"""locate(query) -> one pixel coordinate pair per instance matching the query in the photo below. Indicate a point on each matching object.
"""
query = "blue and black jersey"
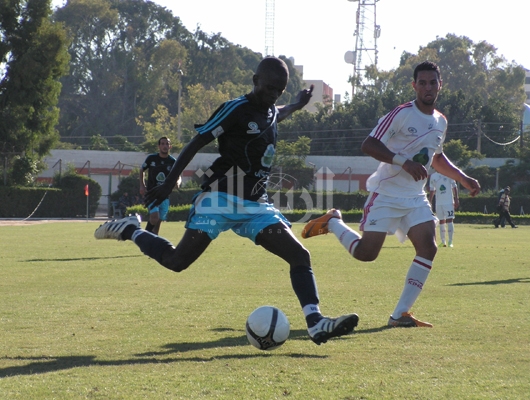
(158, 168)
(247, 142)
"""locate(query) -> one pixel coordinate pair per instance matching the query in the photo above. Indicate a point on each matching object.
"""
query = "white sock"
(311, 309)
(416, 277)
(347, 236)
(450, 231)
(442, 232)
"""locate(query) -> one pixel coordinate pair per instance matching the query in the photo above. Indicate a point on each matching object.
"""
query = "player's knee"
(428, 251)
(305, 255)
(173, 262)
(177, 267)
(300, 257)
(365, 253)
(365, 257)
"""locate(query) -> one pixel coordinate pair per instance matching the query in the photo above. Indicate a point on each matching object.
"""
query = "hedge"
(42, 202)
(180, 213)
(20, 202)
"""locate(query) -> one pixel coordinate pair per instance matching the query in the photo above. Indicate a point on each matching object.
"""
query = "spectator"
(124, 202)
(504, 210)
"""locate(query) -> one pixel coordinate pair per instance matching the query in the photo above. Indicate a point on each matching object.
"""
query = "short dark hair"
(162, 138)
(274, 64)
(427, 66)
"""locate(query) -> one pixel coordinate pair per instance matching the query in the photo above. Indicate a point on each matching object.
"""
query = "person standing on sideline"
(406, 141)
(446, 191)
(234, 195)
(504, 210)
(157, 166)
(124, 202)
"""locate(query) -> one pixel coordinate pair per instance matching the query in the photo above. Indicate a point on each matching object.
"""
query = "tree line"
(118, 74)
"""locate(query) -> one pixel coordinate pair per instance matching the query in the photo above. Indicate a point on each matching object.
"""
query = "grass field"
(87, 319)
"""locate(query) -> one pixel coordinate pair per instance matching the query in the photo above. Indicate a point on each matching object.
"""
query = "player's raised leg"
(114, 229)
(177, 259)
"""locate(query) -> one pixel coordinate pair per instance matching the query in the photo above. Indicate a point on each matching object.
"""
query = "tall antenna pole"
(366, 34)
(269, 27)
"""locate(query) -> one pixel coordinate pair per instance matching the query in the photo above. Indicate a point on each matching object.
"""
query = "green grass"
(99, 320)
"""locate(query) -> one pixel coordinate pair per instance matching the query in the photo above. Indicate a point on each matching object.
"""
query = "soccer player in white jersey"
(407, 141)
(446, 191)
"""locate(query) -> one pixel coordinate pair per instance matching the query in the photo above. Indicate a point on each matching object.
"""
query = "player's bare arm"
(161, 192)
(376, 149)
(444, 166)
(302, 99)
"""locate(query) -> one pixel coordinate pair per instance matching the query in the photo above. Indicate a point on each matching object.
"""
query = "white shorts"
(395, 215)
(445, 211)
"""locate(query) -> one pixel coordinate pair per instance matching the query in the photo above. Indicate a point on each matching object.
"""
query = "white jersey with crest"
(443, 188)
(414, 135)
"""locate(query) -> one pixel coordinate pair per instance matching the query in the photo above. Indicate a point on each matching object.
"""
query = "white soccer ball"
(267, 328)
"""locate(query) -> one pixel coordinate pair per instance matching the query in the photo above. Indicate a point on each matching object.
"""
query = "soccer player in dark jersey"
(234, 195)
(157, 166)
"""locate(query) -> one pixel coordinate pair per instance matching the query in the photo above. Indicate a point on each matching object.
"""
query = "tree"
(33, 56)
(130, 57)
(481, 97)
(163, 125)
(459, 153)
(481, 91)
(126, 60)
(290, 160)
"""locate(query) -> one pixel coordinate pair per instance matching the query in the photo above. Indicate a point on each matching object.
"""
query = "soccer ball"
(267, 328)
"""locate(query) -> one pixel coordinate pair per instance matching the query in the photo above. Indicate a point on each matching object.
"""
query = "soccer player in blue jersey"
(157, 166)
(234, 194)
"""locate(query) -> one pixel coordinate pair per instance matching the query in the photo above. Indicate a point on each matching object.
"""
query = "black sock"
(149, 227)
(128, 232)
(312, 319)
(304, 285)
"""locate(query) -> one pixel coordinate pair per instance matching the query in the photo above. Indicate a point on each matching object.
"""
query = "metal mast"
(269, 27)
(366, 34)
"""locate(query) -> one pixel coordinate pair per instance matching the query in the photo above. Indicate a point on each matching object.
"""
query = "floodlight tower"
(366, 34)
(269, 27)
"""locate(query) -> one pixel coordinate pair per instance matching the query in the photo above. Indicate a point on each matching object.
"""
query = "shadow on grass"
(373, 330)
(46, 364)
(502, 282)
(170, 348)
(79, 258)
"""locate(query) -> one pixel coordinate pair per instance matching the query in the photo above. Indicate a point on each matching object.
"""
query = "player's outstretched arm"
(444, 166)
(301, 101)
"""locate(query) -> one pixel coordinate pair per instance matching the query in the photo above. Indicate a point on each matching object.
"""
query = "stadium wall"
(344, 174)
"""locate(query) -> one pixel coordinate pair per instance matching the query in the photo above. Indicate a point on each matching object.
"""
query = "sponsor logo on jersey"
(161, 177)
(218, 131)
(253, 128)
(268, 156)
(422, 157)
(413, 131)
